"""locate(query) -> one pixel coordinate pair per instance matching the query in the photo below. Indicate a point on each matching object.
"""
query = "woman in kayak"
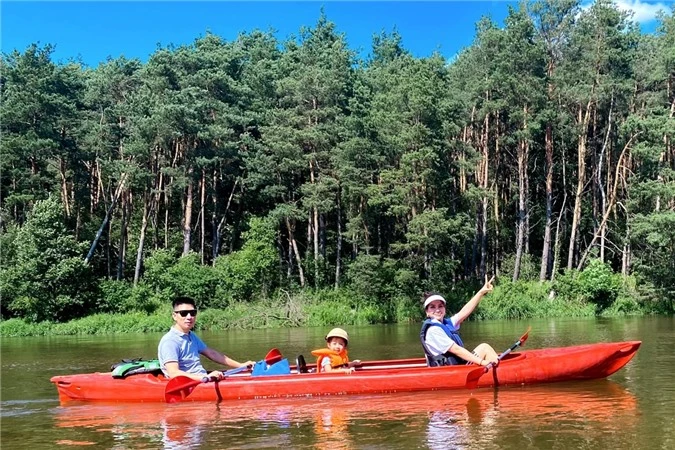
(440, 338)
(179, 349)
(334, 357)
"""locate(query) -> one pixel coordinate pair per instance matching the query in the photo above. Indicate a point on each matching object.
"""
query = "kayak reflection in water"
(331, 429)
(180, 436)
(440, 336)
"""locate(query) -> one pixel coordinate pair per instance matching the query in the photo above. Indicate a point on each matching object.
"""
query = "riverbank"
(337, 307)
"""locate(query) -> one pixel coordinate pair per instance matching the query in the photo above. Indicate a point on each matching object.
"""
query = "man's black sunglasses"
(185, 312)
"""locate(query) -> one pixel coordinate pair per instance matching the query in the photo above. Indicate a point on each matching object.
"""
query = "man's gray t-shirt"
(183, 348)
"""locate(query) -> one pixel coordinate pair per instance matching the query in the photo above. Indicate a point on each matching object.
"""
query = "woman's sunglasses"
(185, 312)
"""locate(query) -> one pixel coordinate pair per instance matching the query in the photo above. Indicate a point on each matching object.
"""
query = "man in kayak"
(179, 349)
(440, 337)
(334, 357)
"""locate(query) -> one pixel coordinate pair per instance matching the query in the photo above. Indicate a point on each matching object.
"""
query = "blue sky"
(95, 30)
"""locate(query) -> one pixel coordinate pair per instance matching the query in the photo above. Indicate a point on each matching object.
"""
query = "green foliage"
(97, 324)
(598, 284)
(168, 277)
(49, 279)
(157, 265)
(525, 299)
(336, 307)
(118, 297)
(386, 166)
(242, 274)
(654, 237)
(20, 327)
(190, 278)
(371, 277)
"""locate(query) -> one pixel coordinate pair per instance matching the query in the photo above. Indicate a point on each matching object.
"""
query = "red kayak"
(582, 362)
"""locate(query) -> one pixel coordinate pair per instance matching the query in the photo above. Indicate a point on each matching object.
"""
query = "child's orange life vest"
(336, 359)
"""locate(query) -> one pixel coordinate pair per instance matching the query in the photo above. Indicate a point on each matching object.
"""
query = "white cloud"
(643, 12)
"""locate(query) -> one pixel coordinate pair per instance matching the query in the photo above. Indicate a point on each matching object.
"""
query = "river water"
(633, 409)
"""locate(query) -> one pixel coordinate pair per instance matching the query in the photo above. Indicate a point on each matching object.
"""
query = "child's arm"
(348, 369)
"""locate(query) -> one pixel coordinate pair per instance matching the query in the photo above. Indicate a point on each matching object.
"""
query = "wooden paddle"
(180, 387)
(473, 376)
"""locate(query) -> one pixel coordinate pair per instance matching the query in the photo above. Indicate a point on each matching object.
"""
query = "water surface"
(634, 408)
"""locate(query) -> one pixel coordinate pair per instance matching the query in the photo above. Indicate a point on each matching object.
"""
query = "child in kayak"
(334, 357)
(440, 338)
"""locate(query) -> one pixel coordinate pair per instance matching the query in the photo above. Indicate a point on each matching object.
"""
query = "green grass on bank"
(324, 308)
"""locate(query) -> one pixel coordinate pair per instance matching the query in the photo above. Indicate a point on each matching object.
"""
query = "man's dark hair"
(184, 301)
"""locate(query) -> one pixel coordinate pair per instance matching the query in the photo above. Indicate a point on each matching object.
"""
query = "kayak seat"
(300, 364)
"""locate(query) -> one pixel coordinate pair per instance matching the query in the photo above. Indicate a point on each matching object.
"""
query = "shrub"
(167, 276)
(251, 270)
(598, 284)
(157, 265)
(49, 279)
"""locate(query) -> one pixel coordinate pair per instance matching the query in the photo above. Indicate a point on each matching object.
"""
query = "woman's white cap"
(433, 298)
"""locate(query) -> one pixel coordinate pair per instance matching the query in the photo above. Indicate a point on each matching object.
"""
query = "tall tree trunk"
(219, 230)
(523, 156)
(108, 251)
(187, 214)
(141, 237)
(611, 202)
(482, 171)
(214, 225)
(583, 119)
(202, 214)
(626, 251)
(666, 142)
(314, 223)
(294, 245)
(497, 250)
(316, 246)
(155, 214)
(124, 226)
(601, 187)
(546, 250)
(64, 187)
(106, 219)
(557, 240)
(338, 244)
(310, 227)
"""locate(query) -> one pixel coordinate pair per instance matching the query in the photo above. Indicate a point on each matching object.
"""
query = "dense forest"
(259, 168)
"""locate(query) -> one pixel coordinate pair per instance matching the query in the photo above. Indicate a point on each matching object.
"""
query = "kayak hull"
(581, 362)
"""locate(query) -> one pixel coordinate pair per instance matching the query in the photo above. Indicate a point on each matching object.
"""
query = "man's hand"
(215, 375)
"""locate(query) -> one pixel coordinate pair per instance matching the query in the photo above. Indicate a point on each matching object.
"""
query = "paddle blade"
(524, 337)
(178, 388)
(473, 377)
(273, 356)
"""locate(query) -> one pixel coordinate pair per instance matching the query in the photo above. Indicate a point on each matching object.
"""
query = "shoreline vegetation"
(510, 300)
(294, 183)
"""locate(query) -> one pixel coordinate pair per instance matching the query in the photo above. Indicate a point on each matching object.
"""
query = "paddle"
(180, 387)
(473, 376)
